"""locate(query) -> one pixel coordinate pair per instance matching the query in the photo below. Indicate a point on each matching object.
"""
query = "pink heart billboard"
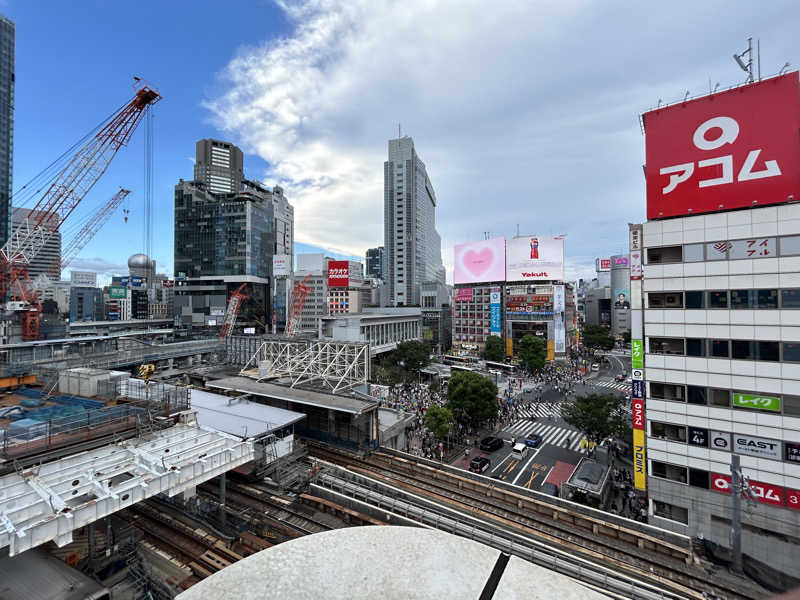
(478, 262)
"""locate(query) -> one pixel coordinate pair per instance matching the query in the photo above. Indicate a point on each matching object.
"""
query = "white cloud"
(525, 113)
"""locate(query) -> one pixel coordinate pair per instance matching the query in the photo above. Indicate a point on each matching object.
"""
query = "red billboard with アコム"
(735, 149)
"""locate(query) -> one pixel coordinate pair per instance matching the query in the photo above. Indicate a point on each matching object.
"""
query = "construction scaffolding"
(338, 366)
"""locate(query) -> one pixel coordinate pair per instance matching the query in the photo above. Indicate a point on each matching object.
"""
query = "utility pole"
(736, 517)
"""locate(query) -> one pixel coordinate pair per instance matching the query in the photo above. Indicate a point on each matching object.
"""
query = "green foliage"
(495, 349)
(439, 420)
(532, 352)
(595, 336)
(626, 336)
(472, 397)
(411, 355)
(599, 415)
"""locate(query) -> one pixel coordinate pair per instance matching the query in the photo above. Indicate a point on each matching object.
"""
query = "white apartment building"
(721, 299)
(412, 246)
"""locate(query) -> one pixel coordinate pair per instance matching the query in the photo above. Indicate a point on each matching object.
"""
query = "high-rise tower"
(6, 124)
(412, 245)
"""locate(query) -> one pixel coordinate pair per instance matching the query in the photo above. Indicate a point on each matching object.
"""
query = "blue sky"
(74, 65)
(525, 114)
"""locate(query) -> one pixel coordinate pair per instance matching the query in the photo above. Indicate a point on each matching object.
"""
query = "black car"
(479, 464)
(491, 443)
(551, 489)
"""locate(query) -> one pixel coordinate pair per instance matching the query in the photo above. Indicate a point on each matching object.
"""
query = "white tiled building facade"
(722, 369)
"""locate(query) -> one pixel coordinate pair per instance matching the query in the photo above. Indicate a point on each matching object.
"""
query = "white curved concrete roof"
(382, 562)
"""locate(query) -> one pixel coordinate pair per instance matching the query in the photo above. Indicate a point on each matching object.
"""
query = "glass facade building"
(7, 37)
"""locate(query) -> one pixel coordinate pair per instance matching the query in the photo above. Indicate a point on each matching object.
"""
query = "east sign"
(756, 446)
(734, 149)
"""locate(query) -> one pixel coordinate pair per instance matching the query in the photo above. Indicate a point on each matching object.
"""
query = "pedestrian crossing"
(620, 386)
(540, 410)
(555, 435)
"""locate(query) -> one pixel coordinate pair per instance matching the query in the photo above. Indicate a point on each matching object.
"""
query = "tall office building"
(48, 260)
(6, 124)
(218, 165)
(227, 230)
(412, 245)
(375, 260)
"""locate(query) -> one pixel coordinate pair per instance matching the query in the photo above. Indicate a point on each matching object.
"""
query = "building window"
(667, 254)
(667, 391)
(667, 471)
(741, 299)
(695, 347)
(791, 406)
(766, 299)
(790, 298)
(693, 253)
(719, 348)
(719, 398)
(666, 346)
(668, 431)
(743, 350)
(718, 299)
(665, 300)
(694, 299)
(671, 512)
(696, 395)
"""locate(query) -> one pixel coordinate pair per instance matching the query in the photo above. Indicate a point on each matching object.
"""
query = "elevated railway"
(630, 559)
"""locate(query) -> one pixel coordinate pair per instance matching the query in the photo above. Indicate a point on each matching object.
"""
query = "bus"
(502, 367)
(460, 360)
(461, 368)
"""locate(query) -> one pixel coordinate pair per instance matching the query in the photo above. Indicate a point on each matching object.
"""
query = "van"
(519, 451)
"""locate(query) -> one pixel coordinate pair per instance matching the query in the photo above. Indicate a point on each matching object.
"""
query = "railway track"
(204, 553)
(275, 513)
(630, 551)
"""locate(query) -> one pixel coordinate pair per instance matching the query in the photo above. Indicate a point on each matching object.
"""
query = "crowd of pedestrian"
(624, 499)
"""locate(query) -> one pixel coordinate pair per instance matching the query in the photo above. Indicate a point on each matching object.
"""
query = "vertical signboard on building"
(338, 273)
(637, 359)
(494, 312)
(635, 231)
(559, 330)
(281, 265)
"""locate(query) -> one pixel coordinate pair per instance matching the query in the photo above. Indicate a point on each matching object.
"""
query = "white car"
(596, 367)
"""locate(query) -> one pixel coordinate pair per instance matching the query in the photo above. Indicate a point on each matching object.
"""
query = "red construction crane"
(65, 192)
(91, 227)
(299, 293)
(234, 304)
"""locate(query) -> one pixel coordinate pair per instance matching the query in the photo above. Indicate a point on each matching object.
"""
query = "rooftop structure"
(47, 502)
(333, 561)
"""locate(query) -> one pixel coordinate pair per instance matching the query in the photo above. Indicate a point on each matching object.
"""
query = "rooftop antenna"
(747, 67)
(716, 87)
(783, 68)
(399, 131)
(517, 229)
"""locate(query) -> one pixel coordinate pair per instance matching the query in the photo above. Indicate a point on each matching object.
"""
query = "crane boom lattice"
(299, 293)
(91, 227)
(234, 304)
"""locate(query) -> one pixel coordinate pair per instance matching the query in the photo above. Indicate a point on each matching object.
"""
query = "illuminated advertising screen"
(532, 258)
(480, 262)
(338, 273)
(735, 149)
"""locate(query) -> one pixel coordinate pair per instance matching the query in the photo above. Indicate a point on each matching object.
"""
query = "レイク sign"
(757, 401)
(637, 354)
(724, 151)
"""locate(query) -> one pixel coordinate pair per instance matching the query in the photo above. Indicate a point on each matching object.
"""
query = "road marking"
(522, 470)
(500, 464)
(534, 475)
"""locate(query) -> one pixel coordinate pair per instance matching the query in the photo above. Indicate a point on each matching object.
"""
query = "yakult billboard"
(534, 258)
(739, 148)
(480, 262)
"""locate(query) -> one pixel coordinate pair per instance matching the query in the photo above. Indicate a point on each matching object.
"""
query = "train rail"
(639, 552)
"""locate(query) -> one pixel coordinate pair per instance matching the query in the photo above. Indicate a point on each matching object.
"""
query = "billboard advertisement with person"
(535, 258)
(724, 151)
(622, 298)
(480, 262)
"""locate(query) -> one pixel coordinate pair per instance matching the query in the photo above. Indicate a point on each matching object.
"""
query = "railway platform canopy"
(240, 416)
(343, 419)
(404, 562)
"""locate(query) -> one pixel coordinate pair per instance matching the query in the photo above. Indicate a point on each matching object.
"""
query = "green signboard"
(637, 354)
(117, 291)
(757, 401)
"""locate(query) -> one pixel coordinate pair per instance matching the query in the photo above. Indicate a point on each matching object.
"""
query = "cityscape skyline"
(331, 171)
